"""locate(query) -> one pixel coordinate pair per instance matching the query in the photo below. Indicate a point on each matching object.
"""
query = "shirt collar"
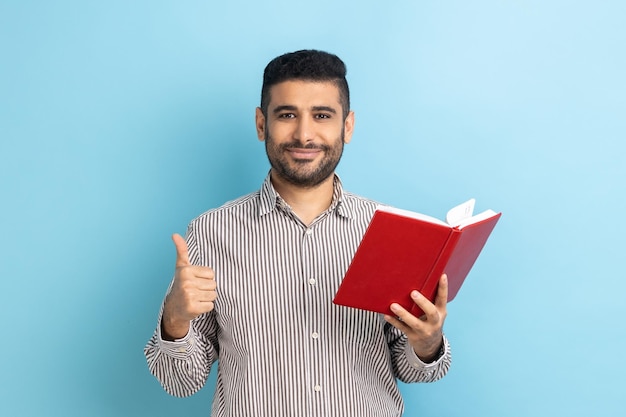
(270, 199)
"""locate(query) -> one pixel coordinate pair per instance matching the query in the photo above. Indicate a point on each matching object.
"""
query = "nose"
(304, 130)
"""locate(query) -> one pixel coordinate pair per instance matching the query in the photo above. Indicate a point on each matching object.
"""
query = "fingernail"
(415, 294)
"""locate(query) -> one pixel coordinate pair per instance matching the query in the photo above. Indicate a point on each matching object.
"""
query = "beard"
(304, 172)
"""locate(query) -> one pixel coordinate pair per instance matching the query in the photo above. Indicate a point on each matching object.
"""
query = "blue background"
(121, 121)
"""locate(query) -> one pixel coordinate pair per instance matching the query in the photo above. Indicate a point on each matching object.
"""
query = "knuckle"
(187, 287)
(205, 269)
(182, 273)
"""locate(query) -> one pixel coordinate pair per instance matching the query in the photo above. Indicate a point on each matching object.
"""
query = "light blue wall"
(120, 121)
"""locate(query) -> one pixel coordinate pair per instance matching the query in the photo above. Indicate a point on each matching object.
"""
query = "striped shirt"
(284, 348)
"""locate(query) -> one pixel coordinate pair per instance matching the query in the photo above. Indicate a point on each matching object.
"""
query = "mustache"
(298, 145)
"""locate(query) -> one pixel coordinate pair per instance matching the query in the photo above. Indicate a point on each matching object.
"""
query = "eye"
(322, 116)
(286, 116)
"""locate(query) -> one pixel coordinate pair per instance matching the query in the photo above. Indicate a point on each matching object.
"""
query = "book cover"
(403, 251)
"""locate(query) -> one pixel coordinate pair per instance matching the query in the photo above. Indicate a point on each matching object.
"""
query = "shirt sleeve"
(183, 366)
(408, 367)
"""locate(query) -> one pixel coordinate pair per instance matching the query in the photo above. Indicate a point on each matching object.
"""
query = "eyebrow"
(287, 107)
(325, 108)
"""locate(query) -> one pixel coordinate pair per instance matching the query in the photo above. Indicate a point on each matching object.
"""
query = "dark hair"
(307, 65)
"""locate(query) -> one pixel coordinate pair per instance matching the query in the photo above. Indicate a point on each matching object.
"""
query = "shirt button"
(309, 231)
(315, 335)
(317, 388)
(312, 281)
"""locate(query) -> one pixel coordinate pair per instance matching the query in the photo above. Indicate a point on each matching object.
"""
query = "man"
(255, 278)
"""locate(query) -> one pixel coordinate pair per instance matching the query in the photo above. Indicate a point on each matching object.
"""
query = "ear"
(348, 127)
(260, 124)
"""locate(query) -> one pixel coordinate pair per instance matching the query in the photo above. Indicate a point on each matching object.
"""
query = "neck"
(307, 203)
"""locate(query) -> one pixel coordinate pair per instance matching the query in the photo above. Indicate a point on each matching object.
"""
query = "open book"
(403, 251)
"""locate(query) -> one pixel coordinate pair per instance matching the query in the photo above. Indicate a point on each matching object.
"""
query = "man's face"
(304, 131)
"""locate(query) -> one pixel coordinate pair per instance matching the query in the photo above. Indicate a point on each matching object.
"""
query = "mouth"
(304, 153)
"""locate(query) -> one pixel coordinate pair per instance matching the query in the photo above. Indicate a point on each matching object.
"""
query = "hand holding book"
(424, 334)
(410, 251)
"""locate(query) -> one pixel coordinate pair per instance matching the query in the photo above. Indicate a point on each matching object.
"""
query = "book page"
(461, 212)
(477, 218)
(459, 216)
(411, 214)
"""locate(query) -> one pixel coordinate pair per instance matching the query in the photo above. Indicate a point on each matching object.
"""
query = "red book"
(403, 251)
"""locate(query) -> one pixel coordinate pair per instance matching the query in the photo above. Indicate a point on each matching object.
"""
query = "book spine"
(429, 289)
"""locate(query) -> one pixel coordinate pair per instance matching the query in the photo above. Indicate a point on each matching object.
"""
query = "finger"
(207, 296)
(201, 307)
(206, 285)
(424, 304)
(441, 300)
(203, 272)
(208, 306)
(404, 319)
(182, 252)
(397, 323)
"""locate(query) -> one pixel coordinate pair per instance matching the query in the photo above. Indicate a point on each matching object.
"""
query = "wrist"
(433, 354)
(173, 329)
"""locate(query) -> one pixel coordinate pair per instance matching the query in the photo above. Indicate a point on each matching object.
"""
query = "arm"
(420, 351)
(182, 366)
(184, 345)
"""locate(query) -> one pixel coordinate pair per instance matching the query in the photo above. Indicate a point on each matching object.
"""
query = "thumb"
(182, 252)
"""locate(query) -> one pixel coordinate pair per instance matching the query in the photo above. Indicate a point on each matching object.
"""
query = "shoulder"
(359, 206)
(359, 199)
(245, 205)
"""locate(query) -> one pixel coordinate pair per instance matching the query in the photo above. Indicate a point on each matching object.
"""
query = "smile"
(303, 153)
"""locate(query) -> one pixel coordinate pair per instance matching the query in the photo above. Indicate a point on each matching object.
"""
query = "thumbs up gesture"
(192, 294)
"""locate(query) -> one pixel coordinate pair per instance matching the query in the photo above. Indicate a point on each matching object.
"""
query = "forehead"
(301, 93)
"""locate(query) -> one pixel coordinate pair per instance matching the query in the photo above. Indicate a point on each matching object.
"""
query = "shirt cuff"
(420, 364)
(178, 348)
